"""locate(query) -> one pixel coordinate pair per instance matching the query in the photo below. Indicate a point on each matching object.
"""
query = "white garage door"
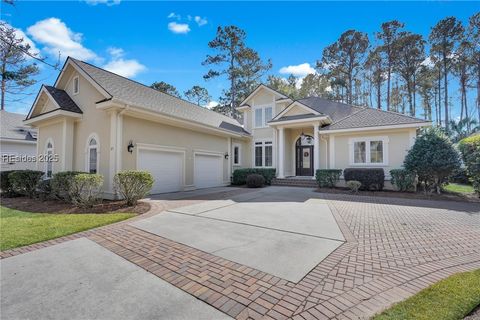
(166, 168)
(208, 171)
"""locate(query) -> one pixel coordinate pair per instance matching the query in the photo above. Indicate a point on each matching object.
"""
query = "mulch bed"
(57, 206)
(408, 195)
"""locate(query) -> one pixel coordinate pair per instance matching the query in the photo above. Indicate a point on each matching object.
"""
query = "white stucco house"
(98, 121)
(18, 142)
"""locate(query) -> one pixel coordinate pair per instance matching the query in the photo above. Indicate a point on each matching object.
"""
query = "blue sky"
(145, 41)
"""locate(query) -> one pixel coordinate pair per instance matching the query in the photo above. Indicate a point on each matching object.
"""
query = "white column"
(119, 142)
(67, 148)
(281, 152)
(331, 148)
(316, 149)
(229, 161)
(113, 149)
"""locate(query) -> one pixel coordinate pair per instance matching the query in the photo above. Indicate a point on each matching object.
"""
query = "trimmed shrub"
(354, 185)
(370, 178)
(44, 189)
(85, 189)
(255, 181)
(433, 158)
(403, 180)
(5, 184)
(470, 149)
(240, 175)
(61, 182)
(327, 177)
(133, 185)
(25, 182)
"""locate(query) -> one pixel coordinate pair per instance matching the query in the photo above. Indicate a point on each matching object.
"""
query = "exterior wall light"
(226, 155)
(130, 146)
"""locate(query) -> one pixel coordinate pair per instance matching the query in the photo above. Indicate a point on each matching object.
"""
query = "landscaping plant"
(255, 181)
(86, 189)
(61, 182)
(403, 180)
(327, 178)
(370, 178)
(240, 175)
(470, 149)
(133, 185)
(354, 185)
(5, 184)
(433, 158)
(25, 182)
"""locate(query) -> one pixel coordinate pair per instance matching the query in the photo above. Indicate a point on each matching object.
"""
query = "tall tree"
(345, 58)
(375, 66)
(15, 67)
(286, 86)
(241, 65)
(167, 88)
(198, 95)
(427, 90)
(444, 39)
(388, 36)
(474, 34)
(314, 85)
(462, 68)
(410, 50)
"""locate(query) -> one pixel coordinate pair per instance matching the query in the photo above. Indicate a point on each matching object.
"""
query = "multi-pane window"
(263, 154)
(268, 115)
(236, 154)
(369, 151)
(258, 118)
(49, 164)
(262, 116)
(92, 156)
(76, 85)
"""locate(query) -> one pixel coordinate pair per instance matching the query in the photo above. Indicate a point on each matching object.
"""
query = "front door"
(304, 161)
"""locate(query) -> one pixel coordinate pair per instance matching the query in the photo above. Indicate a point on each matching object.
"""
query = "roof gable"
(262, 88)
(50, 99)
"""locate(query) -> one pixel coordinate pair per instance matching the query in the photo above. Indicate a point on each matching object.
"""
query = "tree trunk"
(445, 83)
(3, 85)
(439, 96)
(388, 84)
(414, 84)
(379, 96)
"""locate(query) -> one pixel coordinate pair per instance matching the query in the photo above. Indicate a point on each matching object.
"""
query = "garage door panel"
(166, 168)
(208, 171)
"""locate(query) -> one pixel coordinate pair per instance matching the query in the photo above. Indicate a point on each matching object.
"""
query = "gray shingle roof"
(295, 117)
(63, 99)
(137, 94)
(335, 110)
(12, 127)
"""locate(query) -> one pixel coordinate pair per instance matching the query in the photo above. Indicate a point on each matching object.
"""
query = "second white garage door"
(166, 168)
(208, 170)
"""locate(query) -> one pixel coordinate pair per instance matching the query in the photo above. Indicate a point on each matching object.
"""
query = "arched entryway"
(304, 156)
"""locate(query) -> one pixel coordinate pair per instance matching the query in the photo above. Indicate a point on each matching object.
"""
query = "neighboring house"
(97, 121)
(18, 142)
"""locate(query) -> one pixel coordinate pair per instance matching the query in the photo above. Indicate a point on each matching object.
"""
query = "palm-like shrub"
(470, 149)
(432, 158)
(133, 185)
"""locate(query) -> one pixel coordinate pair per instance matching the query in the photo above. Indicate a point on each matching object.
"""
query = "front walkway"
(393, 249)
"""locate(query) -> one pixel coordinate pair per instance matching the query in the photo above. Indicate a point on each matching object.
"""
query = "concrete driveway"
(283, 232)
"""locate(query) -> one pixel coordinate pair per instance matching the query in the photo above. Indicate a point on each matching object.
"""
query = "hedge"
(86, 189)
(25, 181)
(403, 180)
(61, 183)
(133, 185)
(370, 178)
(240, 175)
(327, 177)
(470, 149)
(5, 184)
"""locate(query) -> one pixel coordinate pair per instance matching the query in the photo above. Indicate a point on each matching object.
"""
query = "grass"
(459, 188)
(450, 299)
(19, 228)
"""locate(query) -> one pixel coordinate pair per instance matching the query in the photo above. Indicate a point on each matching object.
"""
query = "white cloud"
(107, 2)
(174, 15)
(179, 27)
(124, 67)
(200, 21)
(211, 104)
(57, 37)
(300, 70)
(19, 34)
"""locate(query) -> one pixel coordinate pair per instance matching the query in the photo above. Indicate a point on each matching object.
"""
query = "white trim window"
(49, 158)
(263, 154)
(262, 115)
(76, 85)
(237, 155)
(371, 151)
(93, 154)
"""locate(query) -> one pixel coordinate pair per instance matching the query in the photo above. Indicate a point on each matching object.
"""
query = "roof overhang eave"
(376, 128)
(312, 120)
(54, 114)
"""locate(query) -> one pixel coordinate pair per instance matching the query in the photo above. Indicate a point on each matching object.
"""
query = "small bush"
(354, 185)
(433, 158)
(470, 149)
(25, 182)
(5, 184)
(44, 189)
(240, 175)
(327, 177)
(403, 180)
(85, 189)
(61, 183)
(255, 181)
(133, 185)
(370, 178)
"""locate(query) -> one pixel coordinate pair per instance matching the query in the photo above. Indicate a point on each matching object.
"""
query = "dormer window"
(76, 85)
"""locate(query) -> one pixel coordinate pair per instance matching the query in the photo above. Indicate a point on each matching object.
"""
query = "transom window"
(262, 116)
(236, 154)
(263, 154)
(92, 155)
(76, 85)
(369, 151)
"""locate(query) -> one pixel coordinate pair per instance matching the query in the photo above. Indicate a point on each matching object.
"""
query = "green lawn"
(450, 299)
(458, 188)
(18, 228)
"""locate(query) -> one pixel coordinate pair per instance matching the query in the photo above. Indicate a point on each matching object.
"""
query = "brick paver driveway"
(393, 249)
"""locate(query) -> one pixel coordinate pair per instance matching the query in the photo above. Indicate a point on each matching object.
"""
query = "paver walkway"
(394, 248)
